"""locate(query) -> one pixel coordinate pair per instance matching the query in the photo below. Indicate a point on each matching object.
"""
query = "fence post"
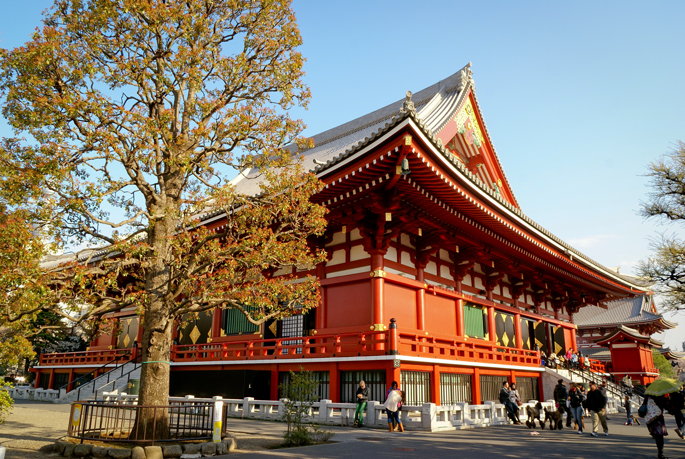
(371, 413)
(247, 408)
(428, 412)
(323, 410)
(218, 411)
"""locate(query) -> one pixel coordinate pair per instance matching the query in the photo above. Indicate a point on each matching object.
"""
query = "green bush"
(6, 402)
(297, 406)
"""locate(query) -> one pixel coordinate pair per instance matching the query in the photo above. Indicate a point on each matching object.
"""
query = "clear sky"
(578, 97)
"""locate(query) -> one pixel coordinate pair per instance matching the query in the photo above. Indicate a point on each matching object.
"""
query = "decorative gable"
(465, 136)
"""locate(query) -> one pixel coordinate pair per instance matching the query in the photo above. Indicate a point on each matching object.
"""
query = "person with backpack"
(560, 396)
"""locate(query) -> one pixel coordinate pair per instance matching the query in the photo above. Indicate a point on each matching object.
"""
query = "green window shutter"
(474, 321)
(235, 323)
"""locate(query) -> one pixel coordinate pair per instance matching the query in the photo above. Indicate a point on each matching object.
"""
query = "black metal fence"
(527, 388)
(455, 388)
(375, 381)
(112, 422)
(321, 377)
(416, 386)
(490, 387)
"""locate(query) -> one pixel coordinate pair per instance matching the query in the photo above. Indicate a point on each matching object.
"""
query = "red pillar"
(377, 284)
(436, 384)
(70, 387)
(216, 323)
(52, 379)
(541, 392)
(574, 338)
(512, 377)
(492, 330)
(517, 330)
(321, 310)
(476, 386)
(461, 327)
(274, 383)
(334, 383)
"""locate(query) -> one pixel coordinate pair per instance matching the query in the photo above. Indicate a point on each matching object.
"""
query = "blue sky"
(578, 98)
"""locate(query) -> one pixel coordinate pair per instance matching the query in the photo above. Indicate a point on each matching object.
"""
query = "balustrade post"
(392, 338)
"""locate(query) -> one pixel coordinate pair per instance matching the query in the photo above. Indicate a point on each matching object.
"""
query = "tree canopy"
(130, 117)
(666, 202)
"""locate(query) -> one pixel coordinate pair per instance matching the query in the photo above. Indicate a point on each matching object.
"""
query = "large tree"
(666, 201)
(134, 114)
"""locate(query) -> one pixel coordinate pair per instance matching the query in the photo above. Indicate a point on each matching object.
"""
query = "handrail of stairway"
(119, 357)
(619, 390)
(136, 364)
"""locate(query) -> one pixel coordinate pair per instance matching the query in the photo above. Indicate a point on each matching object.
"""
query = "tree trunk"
(156, 344)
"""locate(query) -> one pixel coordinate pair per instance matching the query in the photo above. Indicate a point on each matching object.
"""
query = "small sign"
(216, 436)
(76, 418)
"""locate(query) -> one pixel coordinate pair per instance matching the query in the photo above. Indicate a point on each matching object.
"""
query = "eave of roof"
(629, 333)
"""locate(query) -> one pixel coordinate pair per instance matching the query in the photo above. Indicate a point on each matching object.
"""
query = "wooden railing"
(465, 350)
(338, 345)
(101, 357)
(387, 342)
(597, 366)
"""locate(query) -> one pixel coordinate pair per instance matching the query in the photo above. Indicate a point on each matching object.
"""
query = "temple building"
(620, 336)
(435, 277)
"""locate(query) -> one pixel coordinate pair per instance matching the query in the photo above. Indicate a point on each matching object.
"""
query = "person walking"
(656, 425)
(392, 408)
(603, 388)
(560, 396)
(574, 361)
(515, 401)
(576, 399)
(362, 400)
(627, 404)
(586, 363)
(676, 407)
(504, 399)
(596, 403)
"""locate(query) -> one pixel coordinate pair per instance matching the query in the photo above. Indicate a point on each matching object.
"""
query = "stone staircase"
(615, 393)
(117, 379)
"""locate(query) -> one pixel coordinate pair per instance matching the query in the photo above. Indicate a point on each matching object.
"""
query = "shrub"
(299, 398)
(6, 402)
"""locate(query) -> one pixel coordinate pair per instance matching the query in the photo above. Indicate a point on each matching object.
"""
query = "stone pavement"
(42, 423)
(623, 442)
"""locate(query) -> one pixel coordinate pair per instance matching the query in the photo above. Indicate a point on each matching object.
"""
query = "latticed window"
(455, 388)
(292, 326)
(490, 387)
(416, 386)
(234, 322)
(527, 388)
(475, 321)
(375, 381)
(322, 377)
(61, 379)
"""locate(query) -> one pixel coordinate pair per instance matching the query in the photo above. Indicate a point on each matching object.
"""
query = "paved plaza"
(34, 425)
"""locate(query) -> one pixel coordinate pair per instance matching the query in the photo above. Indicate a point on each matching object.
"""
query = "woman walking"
(362, 399)
(395, 387)
(576, 399)
(656, 425)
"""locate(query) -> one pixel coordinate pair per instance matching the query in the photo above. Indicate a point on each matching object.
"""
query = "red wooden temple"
(435, 277)
(620, 336)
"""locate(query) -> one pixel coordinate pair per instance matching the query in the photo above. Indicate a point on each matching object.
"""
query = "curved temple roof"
(429, 111)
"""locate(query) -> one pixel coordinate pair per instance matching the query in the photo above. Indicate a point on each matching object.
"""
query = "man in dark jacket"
(362, 399)
(596, 403)
(506, 401)
(560, 396)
